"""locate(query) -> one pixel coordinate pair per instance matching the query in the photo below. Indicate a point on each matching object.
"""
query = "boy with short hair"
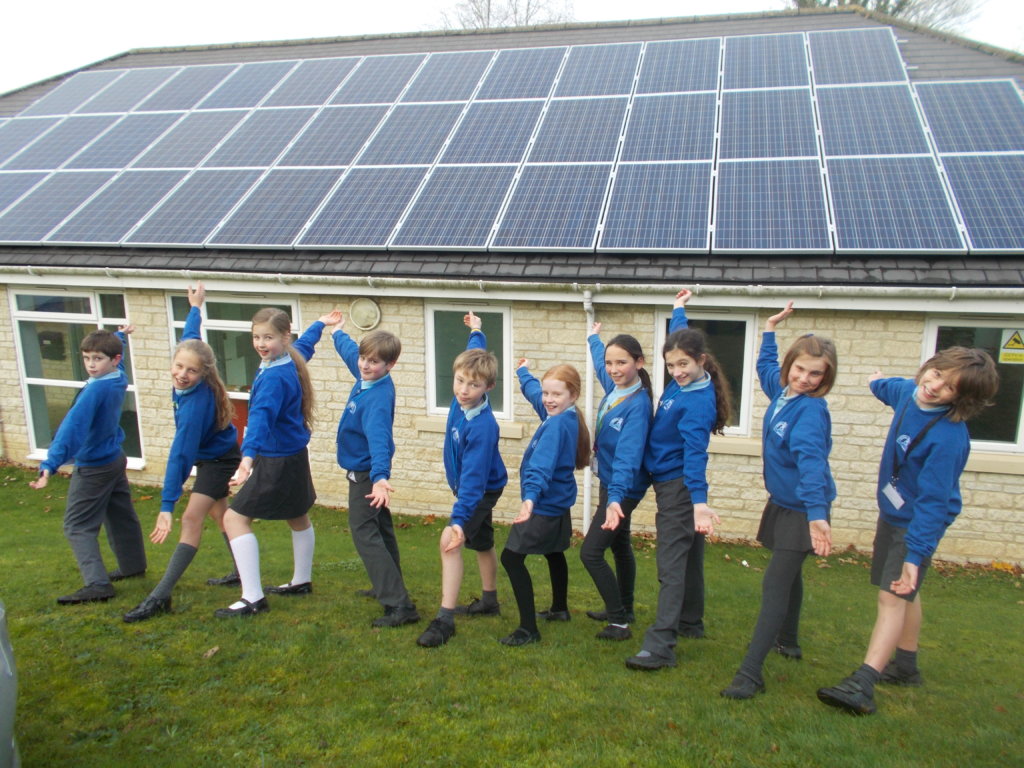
(918, 498)
(477, 477)
(365, 450)
(90, 435)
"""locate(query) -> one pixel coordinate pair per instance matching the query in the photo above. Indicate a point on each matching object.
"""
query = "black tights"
(782, 592)
(522, 585)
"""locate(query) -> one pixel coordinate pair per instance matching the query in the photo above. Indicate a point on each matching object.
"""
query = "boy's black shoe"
(94, 593)
(248, 609)
(849, 695)
(893, 676)
(612, 632)
(397, 617)
(148, 608)
(649, 662)
(437, 633)
(554, 615)
(304, 588)
(478, 607)
(521, 636)
(366, 593)
(743, 687)
(231, 580)
(603, 616)
(116, 575)
(791, 652)
(692, 633)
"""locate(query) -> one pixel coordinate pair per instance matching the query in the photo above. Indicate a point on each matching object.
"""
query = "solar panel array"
(800, 142)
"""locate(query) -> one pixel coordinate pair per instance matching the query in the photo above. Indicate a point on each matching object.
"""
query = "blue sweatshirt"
(796, 442)
(91, 434)
(621, 434)
(276, 427)
(365, 442)
(546, 474)
(929, 479)
(196, 437)
(472, 463)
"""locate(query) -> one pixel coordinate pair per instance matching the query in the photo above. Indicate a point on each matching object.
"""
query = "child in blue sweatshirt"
(797, 440)
(623, 420)
(548, 487)
(918, 498)
(692, 407)
(365, 449)
(204, 437)
(91, 436)
(477, 476)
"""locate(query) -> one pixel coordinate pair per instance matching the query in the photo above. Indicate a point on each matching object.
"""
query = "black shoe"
(791, 652)
(892, 675)
(231, 580)
(849, 695)
(367, 593)
(612, 632)
(248, 609)
(743, 687)
(478, 607)
(554, 615)
(290, 589)
(116, 575)
(650, 662)
(148, 608)
(397, 617)
(629, 618)
(521, 636)
(692, 633)
(437, 633)
(94, 593)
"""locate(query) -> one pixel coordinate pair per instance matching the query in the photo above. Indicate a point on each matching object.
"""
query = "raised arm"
(679, 320)
(346, 348)
(306, 343)
(531, 388)
(194, 320)
(477, 339)
(768, 368)
(597, 355)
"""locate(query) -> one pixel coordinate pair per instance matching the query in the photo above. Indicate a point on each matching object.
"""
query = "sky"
(43, 39)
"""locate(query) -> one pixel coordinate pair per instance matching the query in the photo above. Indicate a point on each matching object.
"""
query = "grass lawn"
(311, 684)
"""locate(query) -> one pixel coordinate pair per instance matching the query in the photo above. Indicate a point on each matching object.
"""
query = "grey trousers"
(373, 533)
(101, 496)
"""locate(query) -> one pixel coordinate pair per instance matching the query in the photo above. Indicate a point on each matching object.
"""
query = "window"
(731, 341)
(446, 338)
(50, 327)
(999, 427)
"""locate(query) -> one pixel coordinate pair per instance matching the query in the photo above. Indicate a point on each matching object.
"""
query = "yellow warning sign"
(1011, 348)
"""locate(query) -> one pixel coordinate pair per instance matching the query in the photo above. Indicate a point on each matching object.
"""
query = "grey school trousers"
(101, 496)
(373, 533)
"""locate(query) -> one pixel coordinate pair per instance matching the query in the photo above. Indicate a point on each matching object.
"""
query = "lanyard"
(602, 411)
(913, 443)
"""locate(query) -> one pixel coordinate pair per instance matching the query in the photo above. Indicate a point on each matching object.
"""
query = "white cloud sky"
(43, 39)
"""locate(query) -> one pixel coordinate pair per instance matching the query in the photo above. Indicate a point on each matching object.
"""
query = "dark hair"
(282, 324)
(569, 376)
(383, 344)
(103, 341)
(631, 347)
(694, 344)
(973, 376)
(815, 346)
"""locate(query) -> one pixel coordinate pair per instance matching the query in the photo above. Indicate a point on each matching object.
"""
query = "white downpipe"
(588, 476)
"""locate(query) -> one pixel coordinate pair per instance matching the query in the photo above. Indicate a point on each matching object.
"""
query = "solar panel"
(190, 141)
(378, 80)
(278, 208)
(449, 76)
(494, 132)
(411, 134)
(872, 120)
(522, 73)
(848, 56)
(554, 207)
(260, 139)
(891, 204)
(599, 70)
(335, 136)
(117, 208)
(18, 133)
(187, 88)
(680, 65)
(771, 205)
(54, 148)
(974, 117)
(990, 193)
(248, 85)
(365, 208)
(767, 124)
(72, 93)
(673, 127)
(765, 61)
(119, 146)
(189, 215)
(312, 83)
(659, 207)
(127, 91)
(580, 131)
(49, 204)
(14, 185)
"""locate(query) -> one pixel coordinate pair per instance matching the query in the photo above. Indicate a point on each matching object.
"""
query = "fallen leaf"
(211, 652)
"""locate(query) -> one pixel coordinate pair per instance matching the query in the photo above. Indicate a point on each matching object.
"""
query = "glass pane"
(132, 444)
(222, 310)
(51, 349)
(237, 361)
(450, 336)
(726, 340)
(47, 406)
(79, 305)
(241, 417)
(180, 308)
(112, 306)
(1001, 422)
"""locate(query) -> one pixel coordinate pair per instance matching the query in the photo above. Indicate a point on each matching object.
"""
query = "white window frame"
(96, 319)
(656, 364)
(928, 343)
(505, 355)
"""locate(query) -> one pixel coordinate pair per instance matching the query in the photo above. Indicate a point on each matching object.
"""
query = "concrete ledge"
(996, 463)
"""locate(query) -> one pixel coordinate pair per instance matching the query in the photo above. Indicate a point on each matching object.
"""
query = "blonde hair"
(478, 364)
(209, 373)
(814, 346)
(569, 376)
(281, 323)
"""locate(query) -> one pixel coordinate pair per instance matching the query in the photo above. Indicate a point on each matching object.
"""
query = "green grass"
(311, 684)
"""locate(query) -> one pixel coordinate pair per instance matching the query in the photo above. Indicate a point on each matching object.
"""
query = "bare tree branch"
(490, 14)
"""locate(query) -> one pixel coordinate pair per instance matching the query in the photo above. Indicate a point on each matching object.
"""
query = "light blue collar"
(472, 413)
(365, 385)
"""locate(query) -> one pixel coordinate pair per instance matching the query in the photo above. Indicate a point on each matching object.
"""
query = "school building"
(546, 177)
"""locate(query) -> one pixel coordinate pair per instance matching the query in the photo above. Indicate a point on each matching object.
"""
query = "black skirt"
(541, 535)
(783, 528)
(279, 488)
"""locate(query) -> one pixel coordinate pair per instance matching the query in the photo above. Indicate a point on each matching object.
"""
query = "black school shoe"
(649, 662)
(629, 618)
(892, 675)
(116, 575)
(248, 609)
(148, 608)
(478, 607)
(231, 580)
(612, 632)
(521, 636)
(791, 652)
(93, 593)
(850, 696)
(436, 634)
(550, 615)
(397, 617)
(304, 588)
(742, 687)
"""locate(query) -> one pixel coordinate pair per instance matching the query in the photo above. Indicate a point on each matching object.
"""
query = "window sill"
(735, 446)
(996, 463)
(508, 429)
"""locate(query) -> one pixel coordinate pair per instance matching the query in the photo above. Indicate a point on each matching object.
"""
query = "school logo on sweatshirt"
(616, 423)
(667, 404)
(455, 434)
(903, 441)
(352, 407)
(780, 428)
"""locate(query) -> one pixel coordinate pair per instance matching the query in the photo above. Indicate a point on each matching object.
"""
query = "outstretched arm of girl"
(905, 584)
(821, 537)
(682, 297)
(595, 328)
(164, 522)
(524, 512)
(332, 318)
(197, 295)
(472, 321)
(778, 318)
(243, 471)
(704, 519)
(455, 539)
(612, 516)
